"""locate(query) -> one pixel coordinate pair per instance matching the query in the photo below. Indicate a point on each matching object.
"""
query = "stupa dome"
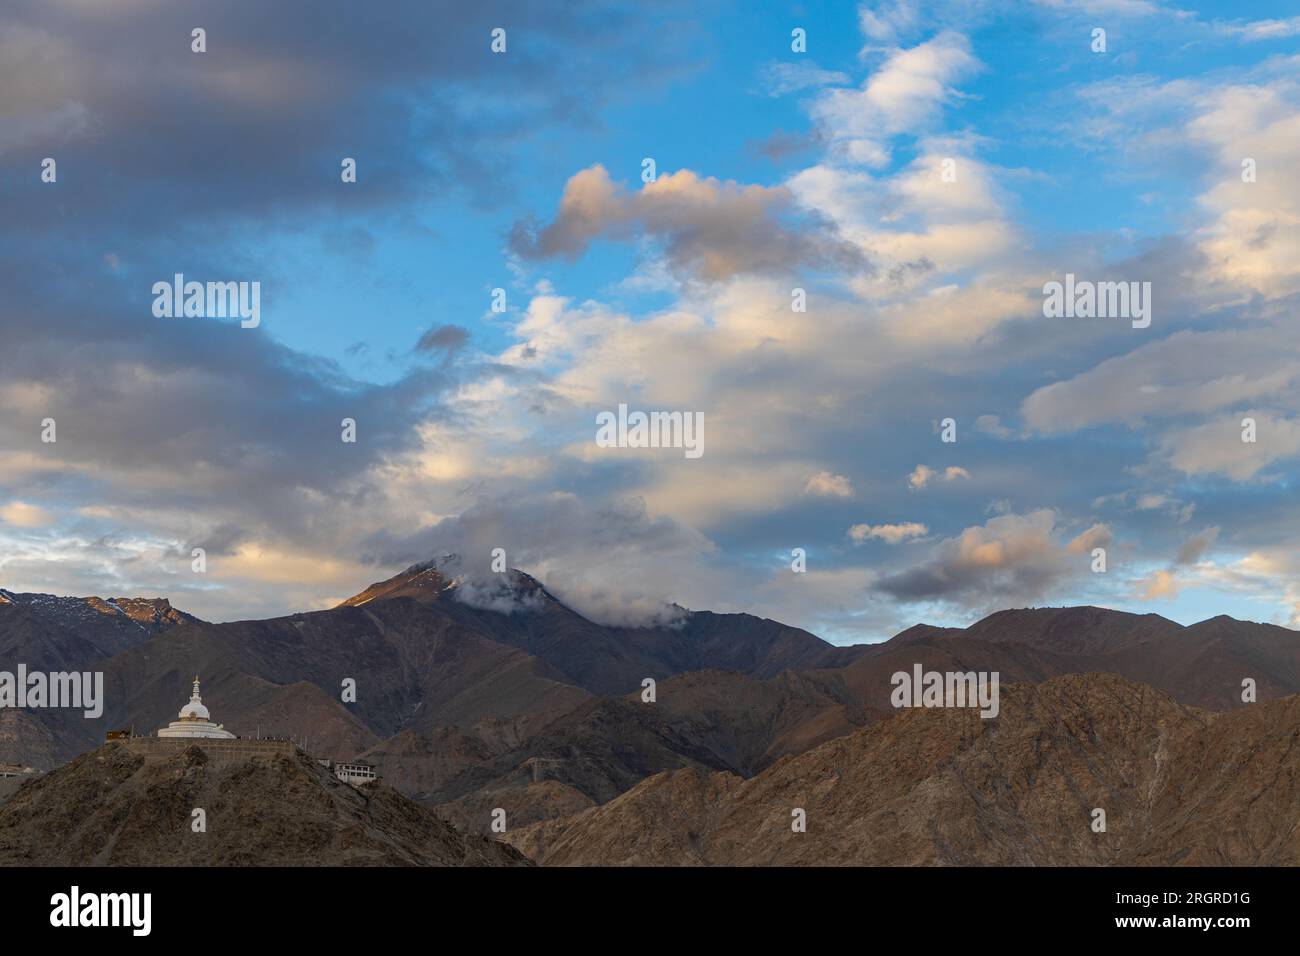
(195, 710)
(195, 721)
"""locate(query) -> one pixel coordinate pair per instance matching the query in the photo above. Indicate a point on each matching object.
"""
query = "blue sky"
(776, 169)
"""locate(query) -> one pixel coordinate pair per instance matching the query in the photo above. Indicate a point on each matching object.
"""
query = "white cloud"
(1185, 373)
(21, 514)
(1254, 30)
(1160, 584)
(906, 94)
(1216, 447)
(1097, 536)
(827, 485)
(992, 425)
(885, 21)
(922, 475)
(784, 78)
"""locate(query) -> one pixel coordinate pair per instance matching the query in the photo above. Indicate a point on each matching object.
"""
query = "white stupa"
(195, 721)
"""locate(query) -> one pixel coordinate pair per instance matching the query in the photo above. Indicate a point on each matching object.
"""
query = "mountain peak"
(149, 614)
(423, 581)
(920, 632)
(1078, 629)
(447, 574)
(442, 563)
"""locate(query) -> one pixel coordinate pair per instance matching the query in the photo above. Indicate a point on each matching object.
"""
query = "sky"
(644, 192)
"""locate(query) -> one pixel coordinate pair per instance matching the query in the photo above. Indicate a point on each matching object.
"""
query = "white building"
(355, 772)
(195, 721)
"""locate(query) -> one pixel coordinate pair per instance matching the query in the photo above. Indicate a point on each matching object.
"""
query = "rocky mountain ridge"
(467, 702)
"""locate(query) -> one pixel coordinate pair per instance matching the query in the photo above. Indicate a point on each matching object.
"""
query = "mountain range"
(471, 698)
(1177, 785)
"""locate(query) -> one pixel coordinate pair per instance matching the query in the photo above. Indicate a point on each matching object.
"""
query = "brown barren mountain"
(603, 660)
(117, 807)
(944, 786)
(714, 720)
(472, 697)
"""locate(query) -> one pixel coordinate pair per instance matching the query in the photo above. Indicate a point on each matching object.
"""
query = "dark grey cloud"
(781, 145)
(709, 229)
(1195, 547)
(535, 527)
(445, 338)
(1011, 558)
(189, 410)
(156, 142)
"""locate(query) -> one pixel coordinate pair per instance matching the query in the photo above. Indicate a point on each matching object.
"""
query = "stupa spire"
(194, 720)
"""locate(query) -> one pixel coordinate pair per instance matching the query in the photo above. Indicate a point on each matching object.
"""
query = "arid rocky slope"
(712, 720)
(423, 659)
(115, 807)
(943, 786)
(469, 701)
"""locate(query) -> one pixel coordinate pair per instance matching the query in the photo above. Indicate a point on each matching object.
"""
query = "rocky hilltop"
(116, 807)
